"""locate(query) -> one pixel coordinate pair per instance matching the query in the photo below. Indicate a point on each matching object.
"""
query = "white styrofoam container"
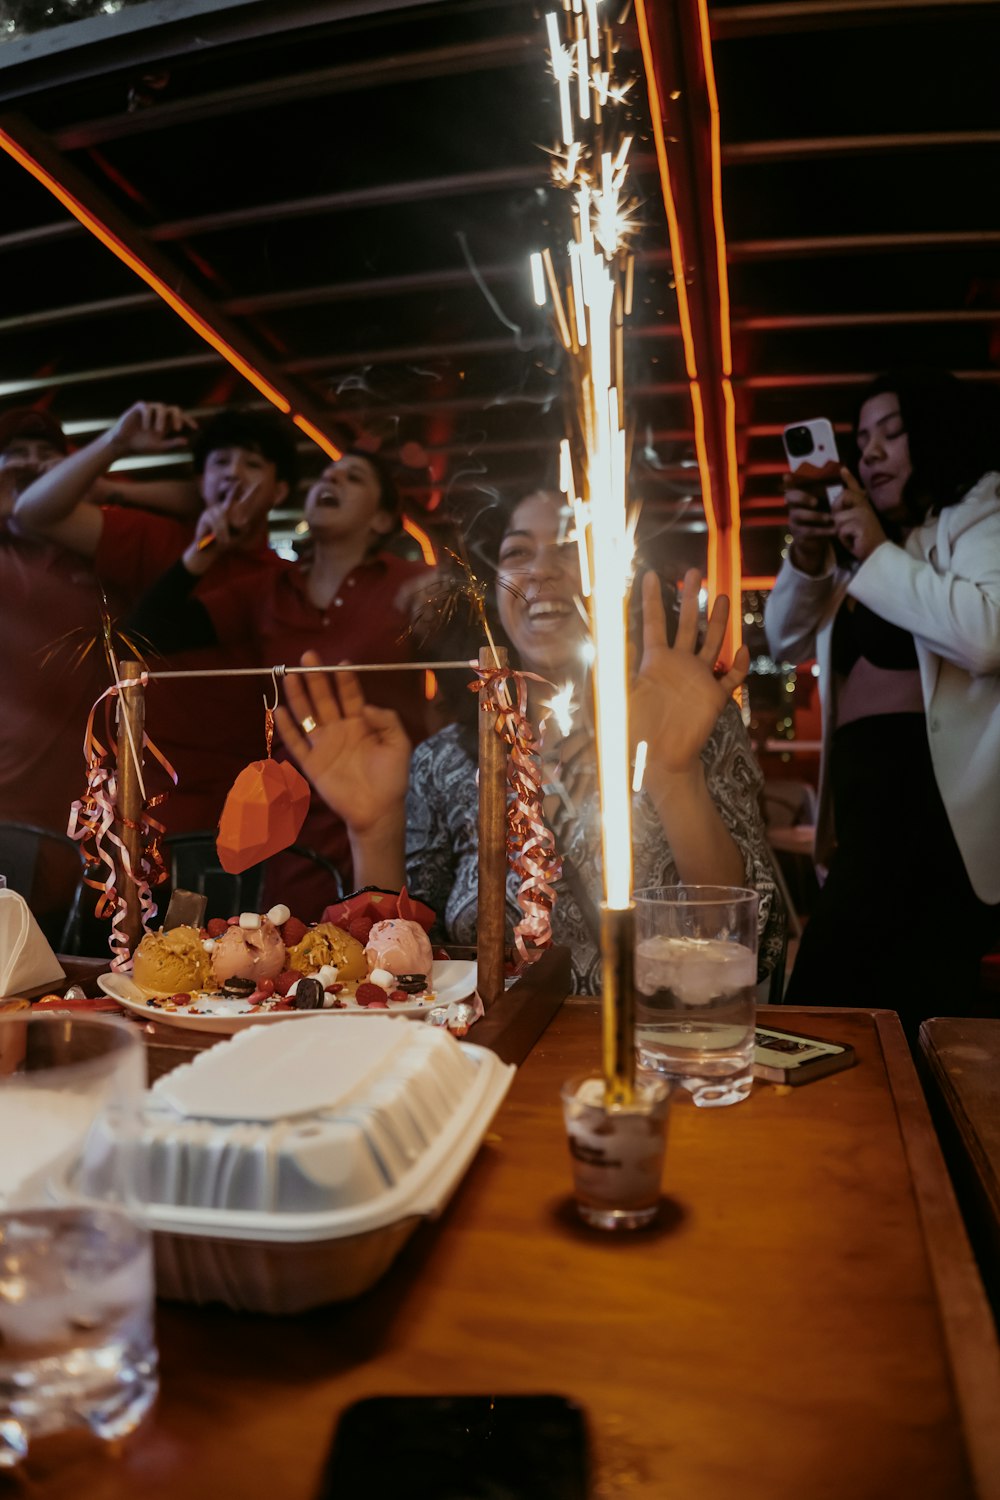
(281, 1215)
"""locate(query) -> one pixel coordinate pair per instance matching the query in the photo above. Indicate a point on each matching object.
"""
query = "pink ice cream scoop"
(399, 946)
(248, 953)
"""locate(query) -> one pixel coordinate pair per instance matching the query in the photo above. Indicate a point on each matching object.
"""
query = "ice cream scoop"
(327, 944)
(400, 946)
(249, 953)
(171, 963)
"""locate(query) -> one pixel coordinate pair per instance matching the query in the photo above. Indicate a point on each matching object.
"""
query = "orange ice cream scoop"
(327, 944)
(169, 963)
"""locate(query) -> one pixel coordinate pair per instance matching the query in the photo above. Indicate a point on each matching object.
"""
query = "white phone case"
(823, 451)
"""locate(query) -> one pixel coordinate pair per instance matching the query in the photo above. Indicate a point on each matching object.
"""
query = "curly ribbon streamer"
(91, 824)
(531, 845)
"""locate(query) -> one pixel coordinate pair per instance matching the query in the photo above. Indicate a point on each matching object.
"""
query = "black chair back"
(45, 868)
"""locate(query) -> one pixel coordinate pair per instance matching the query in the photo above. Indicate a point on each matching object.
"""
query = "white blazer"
(942, 585)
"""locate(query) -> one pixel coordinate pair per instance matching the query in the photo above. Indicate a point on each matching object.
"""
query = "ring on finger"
(308, 724)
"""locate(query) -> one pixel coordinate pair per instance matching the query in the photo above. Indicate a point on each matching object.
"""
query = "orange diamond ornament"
(265, 809)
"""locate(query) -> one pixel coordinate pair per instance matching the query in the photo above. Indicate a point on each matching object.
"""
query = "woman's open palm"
(677, 697)
(357, 756)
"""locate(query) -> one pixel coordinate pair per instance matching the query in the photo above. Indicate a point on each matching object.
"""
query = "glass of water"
(76, 1270)
(695, 981)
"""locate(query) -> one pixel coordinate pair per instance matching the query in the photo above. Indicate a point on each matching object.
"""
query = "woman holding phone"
(894, 586)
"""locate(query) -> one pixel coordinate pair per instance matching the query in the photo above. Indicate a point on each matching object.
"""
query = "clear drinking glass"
(76, 1269)
(695, 982)
(616, 1151)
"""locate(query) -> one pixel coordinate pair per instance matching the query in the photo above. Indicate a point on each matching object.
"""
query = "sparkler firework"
(589, 309)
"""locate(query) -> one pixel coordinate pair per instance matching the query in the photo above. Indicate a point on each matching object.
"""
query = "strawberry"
(378, 1004)
(217, 926)
(334, 989)
(233, 922)
(293, 932)
(286, 979)
(370, 994)
(266, 987)
(360, 928)
(398, 995)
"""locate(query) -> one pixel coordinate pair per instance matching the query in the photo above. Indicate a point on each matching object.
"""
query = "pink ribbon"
(531, 845)
(91, 824)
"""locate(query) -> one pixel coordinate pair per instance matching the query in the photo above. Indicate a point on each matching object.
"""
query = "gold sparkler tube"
(131, 709)
(492, 902)
(618, 1002)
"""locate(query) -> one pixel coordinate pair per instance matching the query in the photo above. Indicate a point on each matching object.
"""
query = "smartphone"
(788, 1057)
(459, 1448)
(813, 443)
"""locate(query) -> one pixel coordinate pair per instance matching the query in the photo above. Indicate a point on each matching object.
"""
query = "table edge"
(966, 1318)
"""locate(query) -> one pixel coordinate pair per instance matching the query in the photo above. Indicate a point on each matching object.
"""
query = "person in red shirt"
(246, 462)
(350, 599)
(51, 610)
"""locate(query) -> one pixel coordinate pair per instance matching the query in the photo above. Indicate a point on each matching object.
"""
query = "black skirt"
(897, 923)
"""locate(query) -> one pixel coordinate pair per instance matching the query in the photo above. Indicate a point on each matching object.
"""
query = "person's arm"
(167, 497)
(676, 702)
(358, 759)
(169, 618)
(56, 505)
(955, 611)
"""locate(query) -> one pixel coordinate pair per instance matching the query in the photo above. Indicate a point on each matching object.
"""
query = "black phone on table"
(458, 1448)
(789, 1057)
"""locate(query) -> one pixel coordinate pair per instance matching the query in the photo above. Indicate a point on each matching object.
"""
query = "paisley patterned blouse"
(442, 841)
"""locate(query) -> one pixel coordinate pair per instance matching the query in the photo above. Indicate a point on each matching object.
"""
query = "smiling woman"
(697, 818)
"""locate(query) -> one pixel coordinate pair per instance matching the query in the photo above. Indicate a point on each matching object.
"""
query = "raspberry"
(293, 932)
(370, 994)
(286, 979)
(360, 928)
(217, 926)
(399, 995)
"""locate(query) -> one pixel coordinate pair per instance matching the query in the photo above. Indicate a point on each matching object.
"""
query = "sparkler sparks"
(562, 707)
(589, 310)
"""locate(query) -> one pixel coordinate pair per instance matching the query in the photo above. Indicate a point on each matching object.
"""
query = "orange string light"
(723, 542)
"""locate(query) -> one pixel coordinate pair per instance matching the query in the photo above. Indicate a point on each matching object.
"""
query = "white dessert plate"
(452, 978)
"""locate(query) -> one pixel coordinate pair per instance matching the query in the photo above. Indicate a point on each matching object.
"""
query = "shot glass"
(76, 1267)
(616, 1151)
(695, 988)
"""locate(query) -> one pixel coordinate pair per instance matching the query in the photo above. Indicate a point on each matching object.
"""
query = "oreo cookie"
(413, 984)
(308, 995)
(237, 988)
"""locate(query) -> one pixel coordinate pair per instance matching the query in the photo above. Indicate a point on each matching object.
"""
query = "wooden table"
(805, 1321)
(963, 1066)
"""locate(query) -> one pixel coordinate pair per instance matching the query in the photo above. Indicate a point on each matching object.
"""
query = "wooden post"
(131, 711)
(491, 924)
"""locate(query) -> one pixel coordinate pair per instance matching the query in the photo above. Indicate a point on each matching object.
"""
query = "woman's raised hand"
(809, 519)
(357, 756)
(858, 524)
(677, 697)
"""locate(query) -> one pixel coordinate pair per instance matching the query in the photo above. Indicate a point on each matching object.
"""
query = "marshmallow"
(208, 944)
(382, 977)
(279, 915)
(327, 975)
(250, 920)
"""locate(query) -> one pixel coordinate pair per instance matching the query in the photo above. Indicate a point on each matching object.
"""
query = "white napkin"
(26, 960)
